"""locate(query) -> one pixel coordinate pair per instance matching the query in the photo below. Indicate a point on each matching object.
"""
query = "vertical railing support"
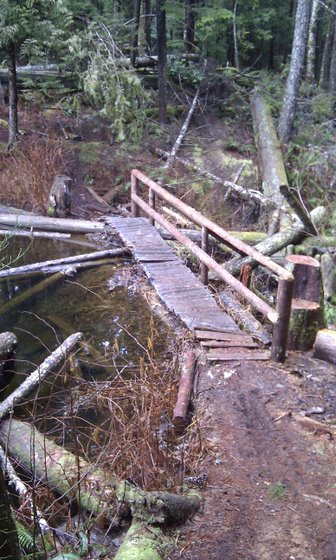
(281, 328)
(151, 203)
(205, 248)
(134, 190)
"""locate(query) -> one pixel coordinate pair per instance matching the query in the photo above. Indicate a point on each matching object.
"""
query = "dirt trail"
(271, 493)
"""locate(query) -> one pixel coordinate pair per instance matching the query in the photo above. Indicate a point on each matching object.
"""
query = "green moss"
(90, 152)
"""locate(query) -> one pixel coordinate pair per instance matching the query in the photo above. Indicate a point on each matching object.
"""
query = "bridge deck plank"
(179, 289)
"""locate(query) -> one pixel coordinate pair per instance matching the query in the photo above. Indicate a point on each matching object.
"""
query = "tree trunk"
(235, 37)
(9, 542)
(136, 23)
(162, 60)
(51, 224)
(277, 242)
(189, 28)
(325, 346)
(148, 25)
(271, 164)
(13, 129)
(289, 105)
(332, 71)
(311, 47)
(307, 304)
(326, 56)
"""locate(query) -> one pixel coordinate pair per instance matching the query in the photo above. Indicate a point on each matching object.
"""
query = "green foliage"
(277, 490)
(184, 72)
(26, 539)
(114, 87)
(330, 312)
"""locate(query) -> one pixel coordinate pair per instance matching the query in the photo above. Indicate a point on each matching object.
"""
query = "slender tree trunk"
(9, 544)
(332, 71)
(189, 29)
(136, 23)
(13, 129)
(235, 38)
(327, 50)
(289, 107)
(311, 48)
(162, 59)
(148, 25)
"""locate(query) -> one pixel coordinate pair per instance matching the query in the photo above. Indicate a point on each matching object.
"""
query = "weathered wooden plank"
(230, 355)
(218, 335)
(228, 343)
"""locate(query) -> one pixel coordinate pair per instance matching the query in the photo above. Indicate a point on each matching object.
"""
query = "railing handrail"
(280, 316)
(201, 220)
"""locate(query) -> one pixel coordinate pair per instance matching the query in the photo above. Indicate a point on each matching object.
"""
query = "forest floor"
(270, 492)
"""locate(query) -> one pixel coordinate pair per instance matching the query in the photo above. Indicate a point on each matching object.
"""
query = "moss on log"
(142, 542)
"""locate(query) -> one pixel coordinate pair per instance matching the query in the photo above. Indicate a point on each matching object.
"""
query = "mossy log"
(69, 475)
(271, 165)
(142, 542)
(325, 346)
(276, 242)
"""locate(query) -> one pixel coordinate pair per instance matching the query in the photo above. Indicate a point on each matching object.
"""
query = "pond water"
(117, 325)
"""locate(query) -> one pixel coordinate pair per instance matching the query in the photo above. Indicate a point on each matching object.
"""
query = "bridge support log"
(281, 327)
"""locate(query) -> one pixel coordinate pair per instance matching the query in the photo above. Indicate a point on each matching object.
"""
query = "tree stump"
(307, 316)
(60, 197)
(325, 346)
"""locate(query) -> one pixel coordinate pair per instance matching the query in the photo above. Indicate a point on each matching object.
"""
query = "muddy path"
(271, 491)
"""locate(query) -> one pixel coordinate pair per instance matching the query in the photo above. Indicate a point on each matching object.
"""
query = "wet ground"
(270, 457)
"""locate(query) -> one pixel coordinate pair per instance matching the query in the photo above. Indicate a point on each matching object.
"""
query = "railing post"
(151, 203)
(281, 328)
(134, 190)
(205, 248)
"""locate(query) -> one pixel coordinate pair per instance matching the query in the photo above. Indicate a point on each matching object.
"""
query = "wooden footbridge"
(187, 296)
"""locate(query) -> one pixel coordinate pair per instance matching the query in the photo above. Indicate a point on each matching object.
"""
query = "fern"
(26, 539)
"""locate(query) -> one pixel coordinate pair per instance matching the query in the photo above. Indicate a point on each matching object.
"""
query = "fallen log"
(50, 363)
(76, 259)
(69, 475)
(23, 491)
(276, 242)
(50, 224)
(188, 364)
(325, 346)
(142, 542)
(31, 292)
(32, 234)
(250, 195)
(271, 165)
(298, 208)
(244, 318)
(183, 132)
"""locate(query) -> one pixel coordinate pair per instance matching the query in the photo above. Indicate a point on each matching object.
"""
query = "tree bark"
(277, 242)
(148, 25)
(136, 24)
(46, 265)
(289, 105)
(235, 36)
(189, 26)
(8, 345)
(50, 224)
(188, 363)
(183, 132)
(311, 47)
(162, 59)
(13, 128)
(271, 165)
(332, 70)
(326, 55)
(325, 346)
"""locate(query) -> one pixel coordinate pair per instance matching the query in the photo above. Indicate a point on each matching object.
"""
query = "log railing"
(278, 316)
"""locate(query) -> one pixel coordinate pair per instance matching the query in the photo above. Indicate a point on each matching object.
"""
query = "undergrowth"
(27, 173)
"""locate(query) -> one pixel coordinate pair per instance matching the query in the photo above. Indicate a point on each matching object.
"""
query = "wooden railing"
(278, 316)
